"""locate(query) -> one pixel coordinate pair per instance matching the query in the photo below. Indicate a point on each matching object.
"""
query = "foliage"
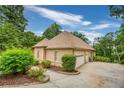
(112, 44)
(117, 11)
(52, 31)
(69, 62)
(35, 71)
(46, 63)
(122, 61)
(55, 29)
(104, 45)
(10, 37)
(28, 39)
(13, 14)
(101, 58)
(81, 36)
(40, 78)
(16, 60)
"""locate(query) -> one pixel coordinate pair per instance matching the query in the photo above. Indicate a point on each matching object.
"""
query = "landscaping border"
(45, 80)
(59, 69)
(69, 73)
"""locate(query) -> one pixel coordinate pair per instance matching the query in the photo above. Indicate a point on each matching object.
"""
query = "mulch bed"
(61, 70)
(17, 79)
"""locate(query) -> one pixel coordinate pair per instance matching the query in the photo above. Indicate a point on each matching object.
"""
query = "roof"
(42, 43)
(64, 40)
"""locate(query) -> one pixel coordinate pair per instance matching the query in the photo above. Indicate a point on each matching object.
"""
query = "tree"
(104, 45)
(28, 39)
(52, 31)
(9, 36)
(13, 14)
(117, 11)
(81, 36)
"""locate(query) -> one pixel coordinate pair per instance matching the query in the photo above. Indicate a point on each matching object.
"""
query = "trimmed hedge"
(16, 60)
(46, 63)
(103, 59)
(69, 62)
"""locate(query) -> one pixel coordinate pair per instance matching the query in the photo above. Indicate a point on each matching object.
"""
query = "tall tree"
(52, 31)
(9, 36)
(13, 14)
(117, 11)
(28, 39)
(104, 45)
(81, 36)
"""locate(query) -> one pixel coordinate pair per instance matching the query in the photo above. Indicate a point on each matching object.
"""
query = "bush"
(69, 62)
(103, 59)
(35, 71)
(16, 60)
(122, 61)
(40, 78)
(46, 63)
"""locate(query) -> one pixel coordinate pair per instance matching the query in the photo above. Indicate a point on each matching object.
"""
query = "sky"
(93, 20)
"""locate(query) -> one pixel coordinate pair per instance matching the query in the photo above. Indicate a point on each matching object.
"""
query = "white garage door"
(79, 60)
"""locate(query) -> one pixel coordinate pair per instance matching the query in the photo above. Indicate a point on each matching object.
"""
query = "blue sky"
(93, 21)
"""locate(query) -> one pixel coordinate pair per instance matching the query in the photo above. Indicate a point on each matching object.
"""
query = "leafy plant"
(69, 62)
(16, 60)
(40, 78)
(122, 61)
(103, 59)
(46, 63)
(35, 71)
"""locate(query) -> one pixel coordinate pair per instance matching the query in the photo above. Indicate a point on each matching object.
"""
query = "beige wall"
(50, 54)
(78, 52)
(41, 53)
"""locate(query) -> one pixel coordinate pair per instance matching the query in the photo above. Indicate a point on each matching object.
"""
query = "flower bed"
(62, 71)
(20, 79)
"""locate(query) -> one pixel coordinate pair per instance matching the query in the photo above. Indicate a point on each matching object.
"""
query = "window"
(38, 54)
(55, 56)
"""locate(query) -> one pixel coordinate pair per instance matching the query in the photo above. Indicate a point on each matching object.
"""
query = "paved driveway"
(94, 74)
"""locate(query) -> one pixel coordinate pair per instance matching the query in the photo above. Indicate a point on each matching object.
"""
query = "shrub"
(35, 71)
(103, 59)
(16, 60)
(40, 78)
(46, 63)
(122, 61)
(69, 62)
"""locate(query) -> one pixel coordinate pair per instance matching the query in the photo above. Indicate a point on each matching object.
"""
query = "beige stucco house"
(64, 43)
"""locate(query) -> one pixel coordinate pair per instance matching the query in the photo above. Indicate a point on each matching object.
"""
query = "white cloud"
(38, 33)
(86, 23)
(59, 17)
(91, 35)
(104, 25)
(100, 26)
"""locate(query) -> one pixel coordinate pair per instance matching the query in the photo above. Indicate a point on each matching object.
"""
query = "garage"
(79, 60)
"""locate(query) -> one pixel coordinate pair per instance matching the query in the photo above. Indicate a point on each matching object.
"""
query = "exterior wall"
(55, 55)
(39, 53)
(50, 54)
(78, 52)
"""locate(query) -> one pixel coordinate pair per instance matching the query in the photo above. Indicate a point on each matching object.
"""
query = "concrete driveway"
(96, 74)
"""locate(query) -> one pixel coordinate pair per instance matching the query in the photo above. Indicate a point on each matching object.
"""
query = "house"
(64, 43)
